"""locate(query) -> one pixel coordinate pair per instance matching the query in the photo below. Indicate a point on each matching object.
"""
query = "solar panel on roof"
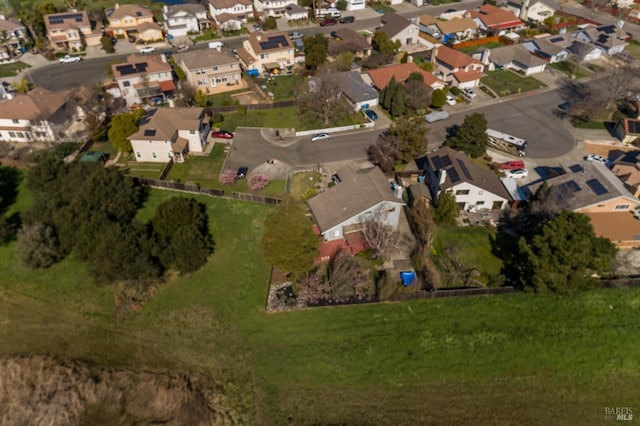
(634, 126)
(576, 168)
(556, 39)
(570, 186)
(597, 187)
(126, 69)
(465, 171)
(150, 132)
(446, 161)
(437, 162)
(453, 175)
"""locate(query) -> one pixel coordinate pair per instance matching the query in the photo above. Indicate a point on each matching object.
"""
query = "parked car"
(470, 94)
(596, 158)
(436, 116)
(216, 45)
(451, 100)
(68, 59)
(565, 106)
(516, 174)
(371, 115)
(295, 35)
(242, 172)
(512, 165)
(334, 34)
(320, 137)
(183, 48)
(222, 134)
(147, 49)
(347, 19)
(257, 27)
(328, 21)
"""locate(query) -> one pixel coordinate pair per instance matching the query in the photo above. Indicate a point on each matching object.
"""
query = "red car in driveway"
(328, 21)
(512, 165)
(222, 134)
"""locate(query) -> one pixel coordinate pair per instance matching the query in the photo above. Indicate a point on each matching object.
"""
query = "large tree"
(564, 255)
(446, 210)
(323, 103)
(289, 242)
(382, 44)
(315, 50)
(417, 95)
(410, 135)
(123, 126)
(471, 136)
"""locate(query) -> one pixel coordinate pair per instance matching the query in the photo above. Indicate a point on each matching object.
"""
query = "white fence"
(335, 129)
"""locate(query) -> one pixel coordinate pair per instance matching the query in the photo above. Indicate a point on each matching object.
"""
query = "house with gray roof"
(348, 40)
(181, 19)
(474, 187)
(545, 49)
(608, 38)
(517, 57)
(399, 28)
(211, 71)
(354, 89)
(362, 193)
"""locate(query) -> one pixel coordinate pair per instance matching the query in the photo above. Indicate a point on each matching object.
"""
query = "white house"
(143, 77)
(474, 187)
(544, 48)
(241, 9)
(170, 133)
(13, 35)
(272, 7)
(514, 56)
(293, 12)
(532, 11)
(37, 116)
(362, 193)
(399, 28)
(356, 4)
(182, 19)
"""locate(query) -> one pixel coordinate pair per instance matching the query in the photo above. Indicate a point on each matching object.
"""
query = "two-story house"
(495, 21)
(398, 28)
(182, 19)
(456, 68)
(70, 30)
(267, 54)
(628, 130)
(530, 11)
(37, 116)
(170, 133)
(543, 48)
(608, 38)
(272, 7)
(211, 71)
(239, 9)
(133, 20)
(474, 187)
(12, 35)
(453, 30)
(143, 78)
(627, 169)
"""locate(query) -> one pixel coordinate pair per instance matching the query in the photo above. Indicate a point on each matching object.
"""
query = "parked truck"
(216, 45)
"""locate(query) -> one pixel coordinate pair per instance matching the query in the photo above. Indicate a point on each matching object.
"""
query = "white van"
(216, 45)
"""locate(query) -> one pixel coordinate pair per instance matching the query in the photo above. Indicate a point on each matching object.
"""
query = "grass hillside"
(517, 359)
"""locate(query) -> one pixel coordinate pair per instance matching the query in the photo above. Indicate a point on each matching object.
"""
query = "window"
(200, 72)
(12, 134)
(126, 83)
(138, 154)
(153, 154)
(15, 121)
(622, 207)
(192, 132)
(479, 203)
(215, 68)
(221, 79)
(202, 82)
(462, 192)
(169, 154)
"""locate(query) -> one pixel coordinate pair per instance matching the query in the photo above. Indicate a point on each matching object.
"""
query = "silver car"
(320, 137)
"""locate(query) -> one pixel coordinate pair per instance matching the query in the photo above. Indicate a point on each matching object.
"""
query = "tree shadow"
(10, 179)
(504, 245)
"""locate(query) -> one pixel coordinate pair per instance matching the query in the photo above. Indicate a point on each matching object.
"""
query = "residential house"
(380, 77)
(356, 91)
(132, 20)
(266, 54)
(609, 38)
(272, 7)
(590, 188)
(38, 116)
(456, 68)
(240, 9)
(211, 71)
(181, 19)
(12, 35)
(495, 21)
(144, 78)
(170, 133)
(293, 12)
(627, 169)
(634, 15)
(70, 30)
(398, 28)
(516, 57)
(474, 187)
(362, 194)
(628, 130)
(357, 4)
(530, 11)
(453, 30)
(623, 4)
(543, 48)
(582, 50)
(349, 40)
(229, 22)
(418, 193)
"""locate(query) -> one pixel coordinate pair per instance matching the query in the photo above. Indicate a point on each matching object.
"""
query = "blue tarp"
(407, 277)
(253, 73)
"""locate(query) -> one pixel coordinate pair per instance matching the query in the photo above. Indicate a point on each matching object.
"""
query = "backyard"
(505, 82)
(472, 49)
(570, 69)
(277, 118)
(516, 359)
(283, 87)
(304, 184)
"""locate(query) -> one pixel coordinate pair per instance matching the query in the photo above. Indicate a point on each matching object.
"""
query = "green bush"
(217, 118)
(455, 91)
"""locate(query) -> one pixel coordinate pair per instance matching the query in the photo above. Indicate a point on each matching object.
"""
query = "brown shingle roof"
(382, 76)
(152, 64)
(464, 76)
(495, 18)
(166, 122)
(38, 104)
(618, 227)
(133, 10)
(196, 59)
(453, 58)
(269, 42)
(394, 23)
(514, 53)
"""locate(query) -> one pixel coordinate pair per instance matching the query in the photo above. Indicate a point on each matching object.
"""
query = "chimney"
(434, 54)
(524, 10)
(443, 176)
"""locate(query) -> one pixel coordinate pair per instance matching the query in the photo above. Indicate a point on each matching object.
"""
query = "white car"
(451, 100)
(597, 158)
(68, 59)
(320, 137)
(516, 174)
(183, 48)
(147, 49)
(295, 35)
(469, 93)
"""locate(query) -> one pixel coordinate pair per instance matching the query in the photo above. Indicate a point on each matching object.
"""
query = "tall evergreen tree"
(471, 136)
(397, 103)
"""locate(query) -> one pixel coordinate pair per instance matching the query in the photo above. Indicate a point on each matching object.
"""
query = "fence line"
(463, 292)
(251, 107)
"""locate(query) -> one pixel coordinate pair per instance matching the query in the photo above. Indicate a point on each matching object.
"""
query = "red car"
(222, 134)
(512, 165)
(328, 21)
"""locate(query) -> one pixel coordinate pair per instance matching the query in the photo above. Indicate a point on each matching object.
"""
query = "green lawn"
(506, 82)
(517, 359)
(13, 69)
(634, 48)
(569, 69)
(145, 170)
(303, 182)
(472, 49)
(274, 118)
(283, 87)
(223, 99)
(201, 170)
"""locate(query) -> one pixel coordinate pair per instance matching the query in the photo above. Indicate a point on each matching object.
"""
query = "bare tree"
(323, 100)
(312, 289)
(380, 236)
(425, 227)
(346, 277)
(383, 152)
(417, 95)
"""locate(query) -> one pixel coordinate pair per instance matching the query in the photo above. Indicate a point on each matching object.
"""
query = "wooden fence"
(476, 42)
(463, 292)
(252, 107)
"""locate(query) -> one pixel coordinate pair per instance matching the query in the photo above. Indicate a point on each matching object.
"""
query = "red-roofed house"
(380, 77)
(493, 20)
(456, 68)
